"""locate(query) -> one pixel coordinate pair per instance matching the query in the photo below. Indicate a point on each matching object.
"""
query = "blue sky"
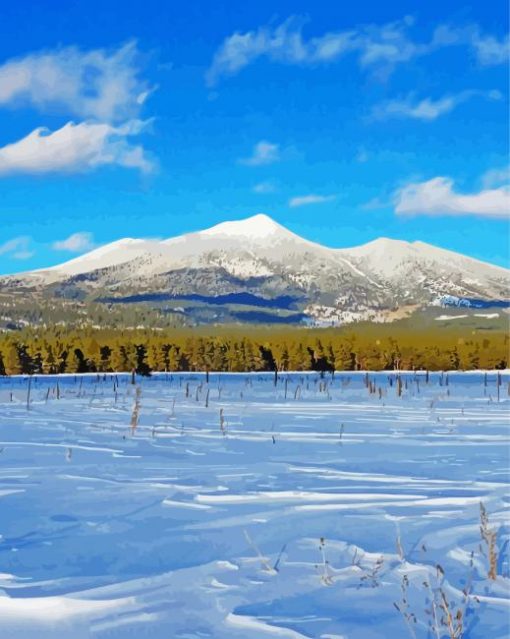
(344, 123)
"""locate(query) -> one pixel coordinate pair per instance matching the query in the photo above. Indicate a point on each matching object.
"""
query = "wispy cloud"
(496, 177)
(98, 83)
(377, 47)
(285, 44)
(17, 248)
(491, 51)
(75, 148)
(427, 109)
(438, 197)
(264, 187)
(378, 202)
(264, 152)
(75, 243)
(312, 198)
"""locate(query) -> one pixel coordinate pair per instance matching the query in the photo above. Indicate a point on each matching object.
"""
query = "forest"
(60, 350)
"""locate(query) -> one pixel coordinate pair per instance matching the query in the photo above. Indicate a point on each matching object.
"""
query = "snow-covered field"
(241, 509)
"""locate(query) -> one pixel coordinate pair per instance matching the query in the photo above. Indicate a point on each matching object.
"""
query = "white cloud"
(379, 47)
(427, 108)
(496, 177)
(264, 187)
(285, 43)
(438, 197)
(75, 243)
(17, 248)
(304, 200)
(263, 153)
(75, 148)
(100, 84)
(490, 50)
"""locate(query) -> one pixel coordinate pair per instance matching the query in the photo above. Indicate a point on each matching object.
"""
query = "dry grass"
(404, 609)
(135, 414)
(326, 576)
(266, 566)
(372, 576)
(489, 536)
(446, 617)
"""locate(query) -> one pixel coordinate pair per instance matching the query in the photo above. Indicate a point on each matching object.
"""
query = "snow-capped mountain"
(256, 262)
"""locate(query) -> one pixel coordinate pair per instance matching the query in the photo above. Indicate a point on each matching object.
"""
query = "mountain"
(257, 270)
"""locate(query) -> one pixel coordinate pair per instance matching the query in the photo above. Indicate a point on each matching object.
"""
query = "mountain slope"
(261, 259)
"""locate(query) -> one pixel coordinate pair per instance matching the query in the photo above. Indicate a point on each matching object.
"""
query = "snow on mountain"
(255, 228)
(258, 233)
(386, 257)
(105, 256)
(259, 256)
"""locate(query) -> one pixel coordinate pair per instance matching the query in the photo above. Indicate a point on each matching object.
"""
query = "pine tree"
(344, 357)
(11, 359)
(49, 359)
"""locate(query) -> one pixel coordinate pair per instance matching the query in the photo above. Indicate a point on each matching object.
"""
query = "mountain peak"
(256, 227)
(259, 257)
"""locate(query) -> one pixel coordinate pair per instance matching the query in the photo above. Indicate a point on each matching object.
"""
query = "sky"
(344, 122)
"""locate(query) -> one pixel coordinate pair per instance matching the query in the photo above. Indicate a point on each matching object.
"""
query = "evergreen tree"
(11, 359)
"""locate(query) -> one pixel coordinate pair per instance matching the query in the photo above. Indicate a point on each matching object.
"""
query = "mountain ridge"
(259, 257)
(259, 226)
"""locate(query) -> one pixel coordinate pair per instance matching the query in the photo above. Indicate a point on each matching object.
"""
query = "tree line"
(52, 351)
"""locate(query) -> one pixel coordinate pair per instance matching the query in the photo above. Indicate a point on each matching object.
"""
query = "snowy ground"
(237, 509)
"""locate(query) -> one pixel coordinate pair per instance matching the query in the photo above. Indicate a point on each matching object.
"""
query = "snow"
(444, 318)
(242, 266)
(112, 254)
(407, 260)
(258, 226)
(381, 281)
(358, 272)
(298, 518)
